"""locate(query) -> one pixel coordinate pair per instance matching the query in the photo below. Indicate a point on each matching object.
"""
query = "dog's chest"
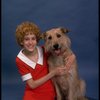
(56, 61)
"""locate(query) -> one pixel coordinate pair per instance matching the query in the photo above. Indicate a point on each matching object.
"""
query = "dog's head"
(56, 40)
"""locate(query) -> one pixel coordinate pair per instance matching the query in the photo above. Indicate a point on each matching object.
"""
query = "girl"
(32, 64)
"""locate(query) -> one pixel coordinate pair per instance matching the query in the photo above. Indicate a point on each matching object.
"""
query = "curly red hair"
(24, 28)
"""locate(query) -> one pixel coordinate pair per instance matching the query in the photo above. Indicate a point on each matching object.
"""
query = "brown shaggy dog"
(69, 86)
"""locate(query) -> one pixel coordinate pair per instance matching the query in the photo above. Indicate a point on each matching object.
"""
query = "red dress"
(29, 69)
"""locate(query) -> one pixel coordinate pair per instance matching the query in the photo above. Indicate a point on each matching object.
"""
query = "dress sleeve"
(23, 70)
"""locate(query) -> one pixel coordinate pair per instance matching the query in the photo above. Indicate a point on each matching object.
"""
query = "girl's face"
(29, 42)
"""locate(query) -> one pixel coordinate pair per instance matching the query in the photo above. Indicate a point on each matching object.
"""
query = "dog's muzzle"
(56, 46)
(57, 49)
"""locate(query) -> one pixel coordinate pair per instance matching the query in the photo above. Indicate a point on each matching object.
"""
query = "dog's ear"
(64, 30)
(42, 36)
(68, 42)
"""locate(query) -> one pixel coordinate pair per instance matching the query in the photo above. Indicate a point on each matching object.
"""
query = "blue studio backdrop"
(80, 16)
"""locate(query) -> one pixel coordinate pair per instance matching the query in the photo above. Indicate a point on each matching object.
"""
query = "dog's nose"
(56, 46)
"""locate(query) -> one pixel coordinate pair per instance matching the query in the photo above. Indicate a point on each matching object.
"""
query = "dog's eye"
(58, 35)
(49, 37)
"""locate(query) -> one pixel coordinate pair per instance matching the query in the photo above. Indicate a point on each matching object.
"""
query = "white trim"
(30, 62)
(26, 77)
(26, 60)
(40, 52)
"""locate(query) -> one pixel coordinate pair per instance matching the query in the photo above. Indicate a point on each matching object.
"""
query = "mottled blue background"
(80, 16)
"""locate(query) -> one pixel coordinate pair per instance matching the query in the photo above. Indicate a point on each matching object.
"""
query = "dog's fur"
(69, 86)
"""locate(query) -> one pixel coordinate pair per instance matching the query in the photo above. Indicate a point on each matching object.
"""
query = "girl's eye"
(33, 38)
(26, 39)
(49, 37)
(58, 35)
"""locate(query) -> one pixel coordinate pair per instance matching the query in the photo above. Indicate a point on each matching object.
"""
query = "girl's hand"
(69, 61)
(60, 71)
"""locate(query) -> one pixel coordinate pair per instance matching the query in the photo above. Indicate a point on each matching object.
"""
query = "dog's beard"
(60, 50)
(55, 51)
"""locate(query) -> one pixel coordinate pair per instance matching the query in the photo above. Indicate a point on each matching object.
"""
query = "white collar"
(28, 61)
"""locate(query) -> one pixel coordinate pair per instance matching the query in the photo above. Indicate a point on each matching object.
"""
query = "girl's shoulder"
(20, 56)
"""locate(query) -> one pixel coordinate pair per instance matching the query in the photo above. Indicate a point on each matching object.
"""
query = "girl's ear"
(21, 43)
(64, 30)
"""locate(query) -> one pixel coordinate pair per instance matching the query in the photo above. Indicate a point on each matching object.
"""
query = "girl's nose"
(31, 41)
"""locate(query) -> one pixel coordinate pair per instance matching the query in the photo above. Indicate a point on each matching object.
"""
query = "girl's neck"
(28, 53)
(33, 56)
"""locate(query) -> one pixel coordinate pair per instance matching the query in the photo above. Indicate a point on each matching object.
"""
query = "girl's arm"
(69, 61)
(57, 71)
(35, 83)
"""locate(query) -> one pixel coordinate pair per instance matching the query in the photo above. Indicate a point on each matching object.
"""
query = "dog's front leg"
(70, 95)
(71, 82)
(59, 97)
